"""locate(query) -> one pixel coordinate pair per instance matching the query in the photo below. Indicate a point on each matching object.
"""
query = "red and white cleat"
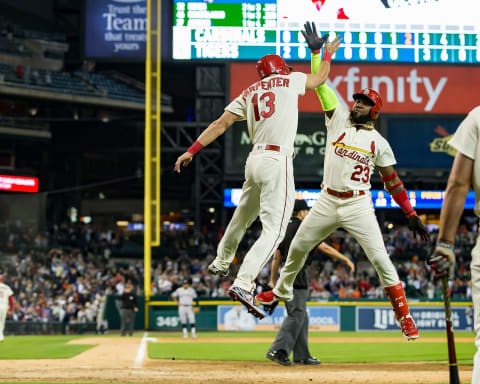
(266, 298)
(409, 329)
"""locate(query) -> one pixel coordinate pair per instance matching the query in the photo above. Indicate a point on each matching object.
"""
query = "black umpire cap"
(186, 281)
(300, 205)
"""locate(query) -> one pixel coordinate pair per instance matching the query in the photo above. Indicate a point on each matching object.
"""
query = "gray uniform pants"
(293, 334)
(128, 320)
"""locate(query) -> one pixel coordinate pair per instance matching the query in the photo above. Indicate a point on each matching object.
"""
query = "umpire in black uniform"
(293, 334)
(127, 313)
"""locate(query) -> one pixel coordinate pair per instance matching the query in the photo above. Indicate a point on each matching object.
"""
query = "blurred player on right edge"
(465, 171)
(353, 149)
(6, 304)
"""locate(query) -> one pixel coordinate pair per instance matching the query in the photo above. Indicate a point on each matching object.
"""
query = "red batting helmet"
(373, 98)
(272, 64)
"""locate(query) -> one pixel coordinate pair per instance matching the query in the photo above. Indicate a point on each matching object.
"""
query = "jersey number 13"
(269, 105)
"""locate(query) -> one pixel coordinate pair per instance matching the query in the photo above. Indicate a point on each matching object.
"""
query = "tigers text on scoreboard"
(397, 31)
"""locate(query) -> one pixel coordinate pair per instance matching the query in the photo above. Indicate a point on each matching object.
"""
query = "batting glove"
(442, 260)
(314, 42)
(418, 228)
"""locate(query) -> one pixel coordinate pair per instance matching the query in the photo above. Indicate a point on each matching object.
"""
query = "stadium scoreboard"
(247, 30)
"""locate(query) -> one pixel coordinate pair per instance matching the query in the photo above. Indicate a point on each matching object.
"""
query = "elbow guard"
(325, 94)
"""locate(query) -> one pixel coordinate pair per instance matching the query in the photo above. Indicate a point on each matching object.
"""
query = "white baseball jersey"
(270, 107)
(5, 293)
(467, 141)
(185, 296)
(351, 154)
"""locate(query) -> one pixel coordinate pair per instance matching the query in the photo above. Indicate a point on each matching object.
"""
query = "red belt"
(271, 147)
(345, 194)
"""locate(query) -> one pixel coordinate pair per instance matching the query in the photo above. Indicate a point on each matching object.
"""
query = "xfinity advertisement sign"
(115, 28)
(426, 318)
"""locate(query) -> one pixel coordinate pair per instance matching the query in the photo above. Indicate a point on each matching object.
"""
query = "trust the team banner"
(411, 89)
(237, 318)
(428, 318)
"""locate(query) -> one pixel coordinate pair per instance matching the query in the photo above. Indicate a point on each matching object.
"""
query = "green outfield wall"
(360, 315)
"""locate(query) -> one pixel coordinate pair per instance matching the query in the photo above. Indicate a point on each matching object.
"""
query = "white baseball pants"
(475, 272)
(268, 191)
(357, 216)
(186, 313)
(3, 317)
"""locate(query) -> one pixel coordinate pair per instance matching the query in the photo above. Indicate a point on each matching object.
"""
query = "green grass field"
(40, 347)
(344, 352)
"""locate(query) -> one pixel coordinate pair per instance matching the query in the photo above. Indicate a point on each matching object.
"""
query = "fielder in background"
(6, 305)
(293, 334)
(353, 149)
(465, 172)
(270, 107)
(184, 297)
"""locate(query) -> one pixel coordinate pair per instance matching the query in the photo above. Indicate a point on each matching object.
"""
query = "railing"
(48, 328)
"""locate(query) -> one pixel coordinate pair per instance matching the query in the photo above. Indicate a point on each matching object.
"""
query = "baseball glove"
(196, 309)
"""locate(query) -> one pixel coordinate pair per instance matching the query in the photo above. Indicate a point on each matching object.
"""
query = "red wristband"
(195, 147)
(390, 177)
(401, 198)
(393, 187)
(327, 56)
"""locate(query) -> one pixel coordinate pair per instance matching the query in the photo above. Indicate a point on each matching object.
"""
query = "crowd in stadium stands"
(65, 274)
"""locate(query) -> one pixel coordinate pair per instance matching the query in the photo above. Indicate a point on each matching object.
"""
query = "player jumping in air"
(353, 149)
(270, 107)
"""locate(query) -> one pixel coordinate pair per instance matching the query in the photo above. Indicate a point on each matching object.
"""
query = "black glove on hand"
(417, 227)
(270, 308)
(314, 42)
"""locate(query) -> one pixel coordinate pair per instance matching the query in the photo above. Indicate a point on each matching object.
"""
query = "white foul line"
(141, 352)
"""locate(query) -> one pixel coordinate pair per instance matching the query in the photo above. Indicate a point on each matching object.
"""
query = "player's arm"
(325, 94)
(214, 130)
(319, 77)
(10, 304)
(443, 258)
(394, 186)
(334, 254)
(277, 257)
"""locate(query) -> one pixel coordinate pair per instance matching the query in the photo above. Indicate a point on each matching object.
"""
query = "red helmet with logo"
(272, 64)
(373, 97)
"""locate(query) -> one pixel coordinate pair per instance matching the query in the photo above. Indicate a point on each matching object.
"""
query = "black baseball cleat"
(279, 357)
(247, 299)
(310, 361)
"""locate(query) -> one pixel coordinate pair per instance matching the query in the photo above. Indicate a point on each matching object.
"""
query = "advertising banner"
(236, 318)
(428, 318)
(411, 89)
(115, 28)
(429, 145)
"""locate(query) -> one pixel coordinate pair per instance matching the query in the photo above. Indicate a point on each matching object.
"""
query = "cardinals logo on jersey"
(340, 138)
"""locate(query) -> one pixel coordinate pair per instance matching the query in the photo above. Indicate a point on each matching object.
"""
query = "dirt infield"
(117, 360)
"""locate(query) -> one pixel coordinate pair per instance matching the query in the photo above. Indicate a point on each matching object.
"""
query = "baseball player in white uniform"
(6, 305)
(184, 297)
(465, 172)
(270, 107)
(353, 149)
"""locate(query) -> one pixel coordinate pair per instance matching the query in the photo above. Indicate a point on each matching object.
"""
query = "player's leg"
(182, 314)
(191, 320)
(319, 223)
(3, 316)
(244, 215)
(475, 274)
(358, 218)
(275, 175)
